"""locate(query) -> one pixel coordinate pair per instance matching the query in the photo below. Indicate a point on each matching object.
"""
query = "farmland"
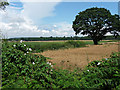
(81, 56)
(74, 66)
(68, 54)
(39, 46)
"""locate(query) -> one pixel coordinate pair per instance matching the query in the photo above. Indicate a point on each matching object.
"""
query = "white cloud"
(55, 26)
(20, 26)
(38, 10)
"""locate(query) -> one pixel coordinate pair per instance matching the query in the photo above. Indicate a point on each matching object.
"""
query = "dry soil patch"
(80, 57)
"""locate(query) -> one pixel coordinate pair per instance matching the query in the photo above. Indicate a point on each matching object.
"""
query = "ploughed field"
(80, 57)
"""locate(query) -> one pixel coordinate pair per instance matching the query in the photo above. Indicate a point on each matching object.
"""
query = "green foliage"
(22, 69)
(59, 38)
(103, 74)
(96, 23)
(26, 70)
(75, 43)
(3, 4)
(67, 79)
(42, 46)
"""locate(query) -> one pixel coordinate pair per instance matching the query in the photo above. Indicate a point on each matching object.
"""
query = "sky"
(44, 19)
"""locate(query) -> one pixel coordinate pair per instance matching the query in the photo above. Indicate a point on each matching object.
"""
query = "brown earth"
(79, 57)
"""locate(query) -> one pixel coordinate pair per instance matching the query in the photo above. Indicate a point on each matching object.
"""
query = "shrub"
(75, 43)
(23, 69)
(103, 74)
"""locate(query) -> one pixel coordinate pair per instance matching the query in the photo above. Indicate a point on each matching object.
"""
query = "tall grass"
(43, 46)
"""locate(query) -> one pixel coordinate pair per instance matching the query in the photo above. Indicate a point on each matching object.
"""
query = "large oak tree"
(96, 23)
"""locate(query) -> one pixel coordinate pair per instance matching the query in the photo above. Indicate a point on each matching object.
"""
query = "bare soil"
(80, 57)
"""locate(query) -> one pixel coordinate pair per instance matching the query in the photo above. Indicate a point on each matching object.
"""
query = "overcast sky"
(39, 18)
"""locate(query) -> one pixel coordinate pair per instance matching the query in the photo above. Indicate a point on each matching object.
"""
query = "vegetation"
(3, 4)
(104, 74)
(96, 23)
(59, 38)
(42, 46)
(22, 69)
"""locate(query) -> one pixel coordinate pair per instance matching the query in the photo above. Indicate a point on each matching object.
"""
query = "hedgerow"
(104, 74)
(22, 69)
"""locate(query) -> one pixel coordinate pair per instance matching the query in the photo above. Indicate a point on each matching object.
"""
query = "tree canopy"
(96, 23)
(3, 4)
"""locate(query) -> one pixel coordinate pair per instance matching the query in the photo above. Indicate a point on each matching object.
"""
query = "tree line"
(58, 38)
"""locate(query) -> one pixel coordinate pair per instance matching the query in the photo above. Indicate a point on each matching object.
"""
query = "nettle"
(103, 74)
(22, 69)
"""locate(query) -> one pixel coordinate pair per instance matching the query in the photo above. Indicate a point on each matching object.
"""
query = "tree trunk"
(95, 42)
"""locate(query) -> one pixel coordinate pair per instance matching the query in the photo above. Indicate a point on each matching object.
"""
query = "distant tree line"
(58, 38)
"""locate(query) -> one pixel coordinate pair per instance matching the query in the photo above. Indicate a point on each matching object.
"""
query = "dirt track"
(80, 56)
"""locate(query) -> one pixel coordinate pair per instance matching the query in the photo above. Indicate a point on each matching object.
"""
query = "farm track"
(79, 57)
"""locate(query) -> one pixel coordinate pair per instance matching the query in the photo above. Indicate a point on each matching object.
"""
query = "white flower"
(98, 63)
(25, 54)
(51, 65)
(88, 70)
(14, 45)
(33, 63)
(27, 48)
(24, 45)
(30, 49)
(47, 62)
(21, 41)
(106, 59)
(51, 70)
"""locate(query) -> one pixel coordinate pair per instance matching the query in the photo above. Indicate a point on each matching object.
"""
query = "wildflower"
(14, 45)
(24, 45)
(51, 70)
(106, 59)
(88, 70)
(21, 41)
(47, 62)
(27, 48)
(25, 54)
(30, 49)
(33, 63)
(98, 63)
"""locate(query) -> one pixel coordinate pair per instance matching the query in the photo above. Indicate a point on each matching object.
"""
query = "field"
(66, 56)
(80, 57)
(39, 46)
